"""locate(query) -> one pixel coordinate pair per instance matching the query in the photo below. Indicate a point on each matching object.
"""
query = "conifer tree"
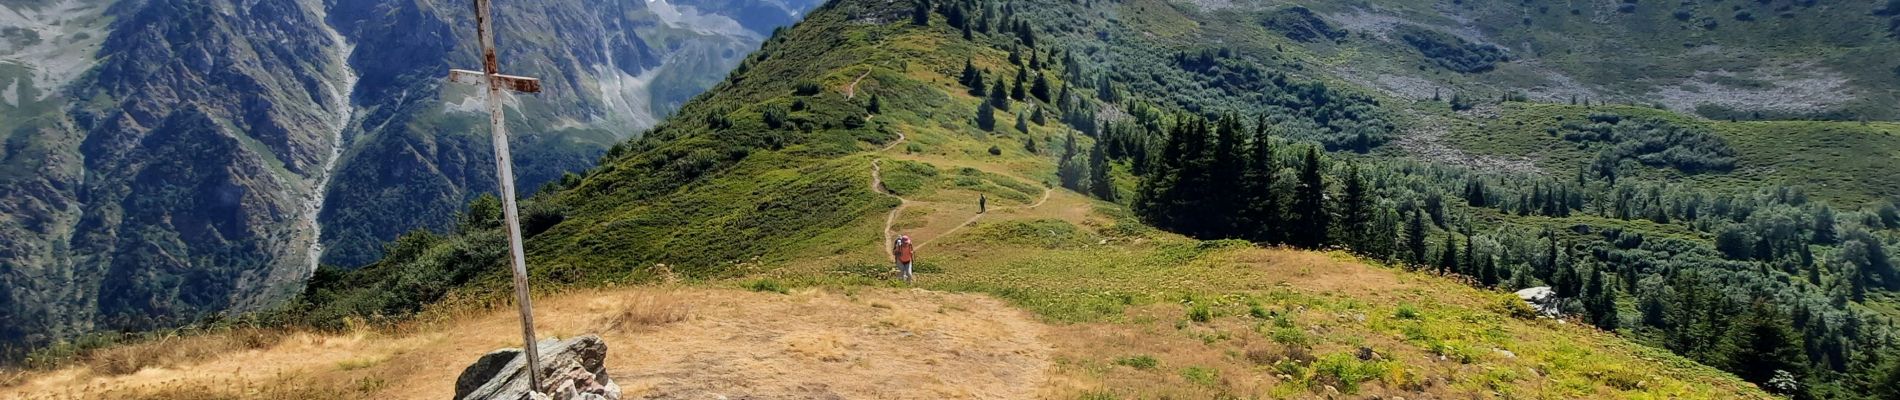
(920, 15)
(1027, 35)
(1171, 196)
(1040, 88)
(1069, 168)
(1226, 169)
(1022, 124)
(1309, 203)
(999, 95)
(1258, 187)
(1017, 91)
(1415, 237)
(1487, 270)
(1765, 342)
(876, 106)
(1448, 255)
(970, 77)
(1824, 225)
(1099, 183)
(985, 117)
(1468, 266)
(1355, 210)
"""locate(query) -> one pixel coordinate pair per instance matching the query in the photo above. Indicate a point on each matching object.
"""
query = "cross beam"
(504, 172)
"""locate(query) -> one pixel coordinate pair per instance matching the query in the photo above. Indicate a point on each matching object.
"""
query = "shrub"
(1290, 336)
(806, 88)
(996, 151)
(767, 285)
(1141, 362)
(1200, 313)
(1513, 307)
(1452, 52)
(539, 216)
(1201, 375)
(1300, 24)
(1345, 372)
(1406, 311)
(1256, 311)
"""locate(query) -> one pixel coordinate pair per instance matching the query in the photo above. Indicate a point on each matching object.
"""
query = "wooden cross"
(504, 171)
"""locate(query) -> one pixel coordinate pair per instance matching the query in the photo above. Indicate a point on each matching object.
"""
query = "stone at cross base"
(572, 369)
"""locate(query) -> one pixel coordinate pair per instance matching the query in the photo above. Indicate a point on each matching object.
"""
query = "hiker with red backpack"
(904, 253)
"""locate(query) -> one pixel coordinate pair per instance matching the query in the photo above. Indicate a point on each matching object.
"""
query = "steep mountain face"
(179, 180)
(168, 160)
(1769, 59)
(425, 151)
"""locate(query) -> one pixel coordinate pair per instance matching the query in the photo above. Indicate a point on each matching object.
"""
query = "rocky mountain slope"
(165, 161)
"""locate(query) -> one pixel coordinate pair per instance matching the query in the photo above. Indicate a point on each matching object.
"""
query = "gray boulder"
(1543, 299)
(572, 369)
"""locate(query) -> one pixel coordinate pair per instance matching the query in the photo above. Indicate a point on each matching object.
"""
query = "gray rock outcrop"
(1543, 299)
(572, 369)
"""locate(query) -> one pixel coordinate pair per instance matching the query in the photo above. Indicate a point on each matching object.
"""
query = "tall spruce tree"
(920, 14)
(1070, 169)
(1226, 170)
(1040, 88)
(1448, 254)
(1309, 203)
(1172, 197)
(999, 95)
(985, 116)
(1258, 187)
(1099, 182)
(973, 79)
(1355, 210)
(1415, 237)
(1599, 301)
(1019, 91)
(1763, 343)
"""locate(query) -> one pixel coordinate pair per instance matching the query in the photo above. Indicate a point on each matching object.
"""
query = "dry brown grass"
(646, 309)
(10, 377)
(174, 350)
(233, 388)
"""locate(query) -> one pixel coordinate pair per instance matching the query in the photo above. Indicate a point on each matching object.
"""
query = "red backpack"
(904, 254)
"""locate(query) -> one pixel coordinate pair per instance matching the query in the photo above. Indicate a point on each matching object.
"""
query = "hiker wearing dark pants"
(982, 203)
(904, 254)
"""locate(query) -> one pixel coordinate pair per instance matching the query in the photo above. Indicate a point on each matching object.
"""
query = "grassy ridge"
(765, 171)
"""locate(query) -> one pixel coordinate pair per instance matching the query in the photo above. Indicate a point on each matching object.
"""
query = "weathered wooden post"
(504, 170)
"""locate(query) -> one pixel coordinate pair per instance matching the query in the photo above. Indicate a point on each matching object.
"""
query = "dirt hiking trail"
(663, 343)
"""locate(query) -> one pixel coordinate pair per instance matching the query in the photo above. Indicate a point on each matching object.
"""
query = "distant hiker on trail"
(982, 203)
(902, 249)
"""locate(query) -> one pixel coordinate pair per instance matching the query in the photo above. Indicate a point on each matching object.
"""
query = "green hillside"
(1667, 229)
